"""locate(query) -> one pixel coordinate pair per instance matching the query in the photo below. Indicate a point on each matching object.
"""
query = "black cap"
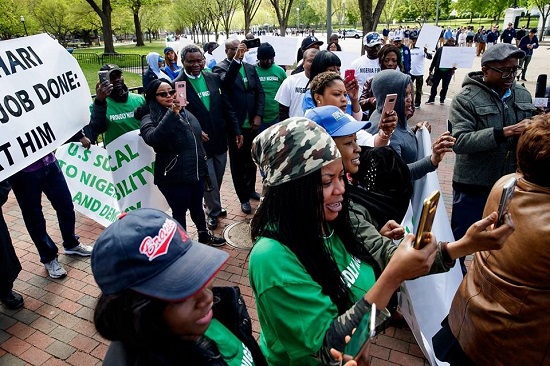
(310, 41)
(265, 51)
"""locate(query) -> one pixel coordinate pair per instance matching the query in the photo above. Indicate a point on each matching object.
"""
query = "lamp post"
(297, 19)
(24, 26)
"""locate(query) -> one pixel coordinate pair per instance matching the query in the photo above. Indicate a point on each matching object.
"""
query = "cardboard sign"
(44, 100)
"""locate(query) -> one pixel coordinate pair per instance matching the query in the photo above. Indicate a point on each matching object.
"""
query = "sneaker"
(223, 213)
(81, 250)
(207, 238)
(429, 102)
(442, 102)
(212, 222)
(417, 106)
(55, 270)
(13, 300)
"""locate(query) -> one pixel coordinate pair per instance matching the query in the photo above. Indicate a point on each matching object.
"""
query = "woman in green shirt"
(313, 279)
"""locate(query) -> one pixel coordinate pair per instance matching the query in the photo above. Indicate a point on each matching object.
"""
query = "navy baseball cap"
(168, 49)
(336, 122)
(149, 252)
(310, 41)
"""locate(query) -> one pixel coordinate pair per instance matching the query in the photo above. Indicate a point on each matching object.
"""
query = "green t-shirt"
(294, 313)
(199, 83)
(271, 80)
(233, 351)
(246, 123)
(120, 117)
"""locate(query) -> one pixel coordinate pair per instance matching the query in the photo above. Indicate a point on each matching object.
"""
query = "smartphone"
(389, 104)
(505, 198)
(427, 216)
(252, 43)
(349, 74)
(103, 76)
(360, 341)
(181, 93)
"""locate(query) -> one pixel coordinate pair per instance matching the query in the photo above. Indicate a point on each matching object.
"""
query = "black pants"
(243, 169)
(183, 197)
(418, 81)
(9, 263)
(445, 78)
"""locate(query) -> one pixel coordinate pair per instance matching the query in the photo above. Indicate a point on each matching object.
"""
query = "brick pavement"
(55, 326)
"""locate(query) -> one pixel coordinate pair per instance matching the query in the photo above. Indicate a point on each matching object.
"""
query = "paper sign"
(44, 100)
(286, 48)
(103, 183)
(540, 102)
(428, 37)
(459, 57)
(346, 58)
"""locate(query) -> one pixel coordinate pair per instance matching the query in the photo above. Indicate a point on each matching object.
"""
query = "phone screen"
(364, 332)
(349, 74)
(252, 43)
(505, 199)
(429, 208)
(181, 93)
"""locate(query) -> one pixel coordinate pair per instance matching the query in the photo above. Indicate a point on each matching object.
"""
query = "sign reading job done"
(44, 99)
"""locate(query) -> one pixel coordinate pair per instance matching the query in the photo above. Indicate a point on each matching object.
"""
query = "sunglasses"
(166, 94)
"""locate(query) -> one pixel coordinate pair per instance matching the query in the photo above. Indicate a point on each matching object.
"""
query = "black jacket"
(217, 121)
(176, 139)
(245, 101)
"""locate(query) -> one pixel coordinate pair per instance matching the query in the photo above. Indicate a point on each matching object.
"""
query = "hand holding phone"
(103, 76)
(427, 216)
(505, 199)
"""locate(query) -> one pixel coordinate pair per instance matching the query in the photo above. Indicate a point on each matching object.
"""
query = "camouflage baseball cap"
(292, 149)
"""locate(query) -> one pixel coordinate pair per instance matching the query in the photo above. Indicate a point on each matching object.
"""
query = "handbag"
(430, 80)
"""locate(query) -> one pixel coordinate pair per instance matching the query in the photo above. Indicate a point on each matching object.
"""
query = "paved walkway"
(55, 326)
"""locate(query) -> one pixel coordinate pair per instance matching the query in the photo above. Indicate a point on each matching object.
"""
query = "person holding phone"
(180, 162)
(403, 140)
(507, 323)
(326, 275)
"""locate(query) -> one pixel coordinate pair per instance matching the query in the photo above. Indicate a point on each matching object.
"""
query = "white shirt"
(291, 93)
(365, 68)
(417, 61)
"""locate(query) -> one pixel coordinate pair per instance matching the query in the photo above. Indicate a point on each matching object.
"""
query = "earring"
(318, 101)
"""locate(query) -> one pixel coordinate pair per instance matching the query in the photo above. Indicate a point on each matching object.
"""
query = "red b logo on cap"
(157, 246)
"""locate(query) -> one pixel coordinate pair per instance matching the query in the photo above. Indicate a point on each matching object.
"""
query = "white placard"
(104, 183)
(428, 37)
(459, 57)
(540, 102)
(286, 48)
(44, 100)
(346, 58)
(219, 52)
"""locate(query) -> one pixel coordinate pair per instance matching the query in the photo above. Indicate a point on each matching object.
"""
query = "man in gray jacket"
(487, 117)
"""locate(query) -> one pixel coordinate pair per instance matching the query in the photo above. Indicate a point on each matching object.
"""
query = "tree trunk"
(105, 15)
(370, 18)
(139, 32)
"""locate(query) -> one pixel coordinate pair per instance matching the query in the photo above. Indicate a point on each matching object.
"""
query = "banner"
(426, 301)
(44, 100)
(104, 183)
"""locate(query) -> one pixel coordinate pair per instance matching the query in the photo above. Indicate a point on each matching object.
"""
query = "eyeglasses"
(506, 73)
(165, 94)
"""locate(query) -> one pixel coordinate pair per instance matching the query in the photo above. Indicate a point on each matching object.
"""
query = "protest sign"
(346, 59)
(428, 37)
(285, 48)
(425, 301)
(459, 57)
(44, 100)
(103, 183)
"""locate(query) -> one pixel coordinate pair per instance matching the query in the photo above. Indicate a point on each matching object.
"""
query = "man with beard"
(112, 111)
(368, 65)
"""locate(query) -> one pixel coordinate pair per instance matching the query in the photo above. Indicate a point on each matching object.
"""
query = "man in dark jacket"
(216, 117)
(9, 263)
(405, 54)
(242, 88)
(443, 75)
(508, 34)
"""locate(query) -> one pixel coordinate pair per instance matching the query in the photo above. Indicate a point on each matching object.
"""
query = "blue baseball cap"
(149, 252)
(336, 122)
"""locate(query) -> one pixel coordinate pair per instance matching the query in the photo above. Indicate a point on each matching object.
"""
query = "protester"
(9, 263)
(440, 74)
(209, 57)
(522, 32)
(403, 140)
(290, 95)
(243, 90)
(334, 39)
(308, 43)
(506, 323)
(171, 68)
(216, 116)
(157, 305)
(154, 71)
(180, 162)
(527, 44)
(271, 77)
(368, 65)
(328, 89)
(325, 277)
(405, 65)
(112, 112)
(487, 116)
(417, 69)
(333, 47)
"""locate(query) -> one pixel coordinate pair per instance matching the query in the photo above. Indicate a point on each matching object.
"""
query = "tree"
(10, 23)
(54, 17)
(390, 11)
(282, 10)
(250, 8)
(151, 20)
(544, 10)
(225, 9)
(135, 6)
(370, 16)
(104, 14)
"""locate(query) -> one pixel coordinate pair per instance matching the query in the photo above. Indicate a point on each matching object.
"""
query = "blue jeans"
(182, 197)
(467, 209)
(28, 188)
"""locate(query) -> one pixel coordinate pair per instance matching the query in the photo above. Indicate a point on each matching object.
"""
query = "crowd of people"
(337, 170)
